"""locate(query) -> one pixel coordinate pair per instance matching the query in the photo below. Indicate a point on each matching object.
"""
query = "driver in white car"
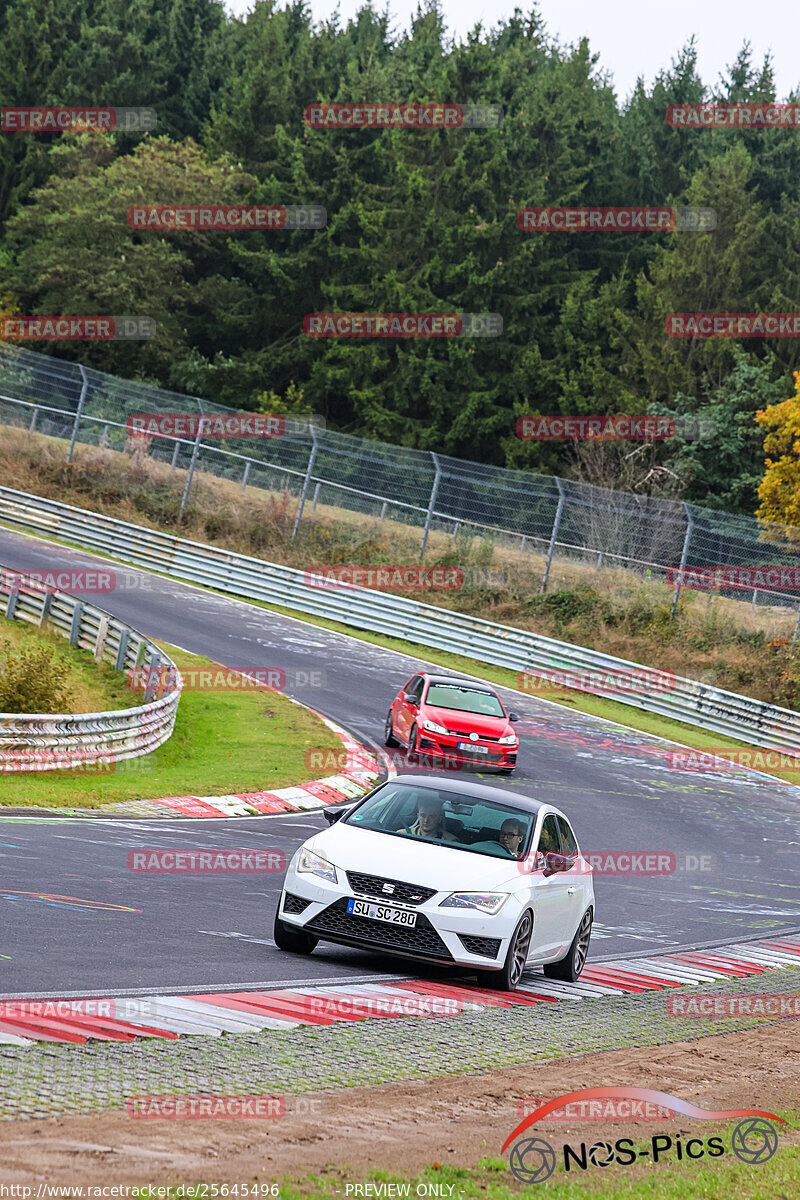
(511, 835)
(430, 820)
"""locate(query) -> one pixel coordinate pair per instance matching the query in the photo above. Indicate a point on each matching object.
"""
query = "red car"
(458, 719)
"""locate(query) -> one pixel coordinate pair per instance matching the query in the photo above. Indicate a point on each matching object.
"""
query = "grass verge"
(93, 687)
(224, 742)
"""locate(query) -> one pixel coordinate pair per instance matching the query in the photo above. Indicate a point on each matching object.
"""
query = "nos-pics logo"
(533, 1159)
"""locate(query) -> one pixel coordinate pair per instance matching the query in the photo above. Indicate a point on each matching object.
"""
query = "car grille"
(491, 757)
(422, 939)
(488, 947)
(294, 904)
(404, 893)
(464, 734)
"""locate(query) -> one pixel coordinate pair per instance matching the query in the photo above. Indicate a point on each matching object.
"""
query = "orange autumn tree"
(779, 490)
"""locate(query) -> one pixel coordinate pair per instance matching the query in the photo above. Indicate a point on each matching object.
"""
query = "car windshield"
(430, 814)
(464, 699)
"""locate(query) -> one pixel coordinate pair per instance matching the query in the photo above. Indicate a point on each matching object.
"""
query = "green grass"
(224, 742)
(598, 706)
(95, 687)
(713, 1179)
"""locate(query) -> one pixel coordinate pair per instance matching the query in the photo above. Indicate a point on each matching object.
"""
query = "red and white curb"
(333, 789)
(122, 1019)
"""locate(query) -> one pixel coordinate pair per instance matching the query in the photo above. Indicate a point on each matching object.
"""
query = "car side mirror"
(409, 698)
(554, 862)
(335, 814)
(513, 717)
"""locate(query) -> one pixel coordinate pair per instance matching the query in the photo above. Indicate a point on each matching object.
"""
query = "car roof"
(476, 791)
(458, 681)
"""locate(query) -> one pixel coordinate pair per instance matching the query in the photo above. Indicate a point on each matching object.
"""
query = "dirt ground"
(403, 1127)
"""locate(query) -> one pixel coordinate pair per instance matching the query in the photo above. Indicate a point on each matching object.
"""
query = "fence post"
(316, 496)
(554, 534)
(174, 456)
(122, 650)
(75, 626)
(32, 426)
(312, 458)
(796, 626)
(152, 679)
(684, 556)
(47, 604)
(434, 492)
(11, 603)
(195, 452)
(246, 475)
(78, 414)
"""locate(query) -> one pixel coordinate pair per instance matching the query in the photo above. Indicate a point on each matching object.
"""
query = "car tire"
(570, 966)
(388, 731)
(413, 740)
(292, 940)
(508, 977)
(506, 771)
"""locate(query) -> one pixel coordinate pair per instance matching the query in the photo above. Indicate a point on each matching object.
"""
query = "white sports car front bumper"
(462, 936)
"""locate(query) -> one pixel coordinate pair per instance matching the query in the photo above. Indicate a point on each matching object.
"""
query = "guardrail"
(52, 741)
(698, 704)
(559, 520)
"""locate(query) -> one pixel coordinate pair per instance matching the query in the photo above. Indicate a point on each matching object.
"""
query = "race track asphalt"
(77, 920)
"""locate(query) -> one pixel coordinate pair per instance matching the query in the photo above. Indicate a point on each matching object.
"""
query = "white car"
(448, 871)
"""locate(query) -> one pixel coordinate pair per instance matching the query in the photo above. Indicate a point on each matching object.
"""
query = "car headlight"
(311, 864)
(432, 727)
(508, 740)
(486, 902)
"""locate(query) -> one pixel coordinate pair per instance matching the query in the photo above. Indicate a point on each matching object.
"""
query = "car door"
(553, 897)
(406, 713)
(577, 879)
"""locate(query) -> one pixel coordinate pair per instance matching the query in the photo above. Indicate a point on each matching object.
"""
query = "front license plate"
(381, 912)
(472, 748)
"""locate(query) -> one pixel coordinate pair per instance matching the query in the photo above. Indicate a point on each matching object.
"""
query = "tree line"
(417, 221)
